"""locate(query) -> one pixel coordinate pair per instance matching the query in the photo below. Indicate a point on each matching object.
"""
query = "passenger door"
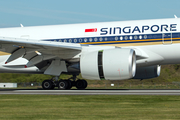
(167, 38)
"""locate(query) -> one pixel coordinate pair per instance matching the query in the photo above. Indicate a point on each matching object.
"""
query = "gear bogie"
(64, 84)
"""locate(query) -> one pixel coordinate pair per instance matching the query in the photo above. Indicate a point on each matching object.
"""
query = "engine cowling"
(110, 64)
(147, 72)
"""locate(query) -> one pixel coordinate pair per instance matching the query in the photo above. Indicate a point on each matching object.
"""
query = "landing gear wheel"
(85, 83)
(47, 85)
(81, 84)
(63, 84)
(69, 84)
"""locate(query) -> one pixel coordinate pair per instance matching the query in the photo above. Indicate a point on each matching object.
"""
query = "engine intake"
(110, 64)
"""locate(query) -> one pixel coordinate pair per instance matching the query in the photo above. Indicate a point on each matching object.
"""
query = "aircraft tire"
(69, 84)
(63, 84)
(85, 83)
(47, 84)
(81, 84)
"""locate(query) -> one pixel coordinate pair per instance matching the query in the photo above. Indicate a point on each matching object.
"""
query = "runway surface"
(90, 92)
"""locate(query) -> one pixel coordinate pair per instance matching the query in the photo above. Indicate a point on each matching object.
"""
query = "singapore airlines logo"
(90, 31)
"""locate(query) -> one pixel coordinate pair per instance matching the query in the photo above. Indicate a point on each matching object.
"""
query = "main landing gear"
(64, 84)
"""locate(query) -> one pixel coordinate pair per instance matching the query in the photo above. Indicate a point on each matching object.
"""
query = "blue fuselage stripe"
(121, 39)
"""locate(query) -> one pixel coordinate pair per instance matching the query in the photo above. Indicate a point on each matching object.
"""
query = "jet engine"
(147, 72)
(109, 64)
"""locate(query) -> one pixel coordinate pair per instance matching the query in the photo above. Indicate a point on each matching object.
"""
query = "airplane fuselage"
(161, 36)
(100, 51)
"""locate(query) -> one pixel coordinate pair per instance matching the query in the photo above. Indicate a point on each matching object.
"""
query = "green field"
(52, 107)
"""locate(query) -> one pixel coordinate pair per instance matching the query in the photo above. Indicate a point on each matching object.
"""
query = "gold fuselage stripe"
(125, 41)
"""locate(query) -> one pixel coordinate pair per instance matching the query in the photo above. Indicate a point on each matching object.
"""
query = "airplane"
(116, 50)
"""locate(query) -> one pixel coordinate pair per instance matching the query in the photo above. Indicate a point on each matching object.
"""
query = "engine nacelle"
(147, 72)
(110, 64)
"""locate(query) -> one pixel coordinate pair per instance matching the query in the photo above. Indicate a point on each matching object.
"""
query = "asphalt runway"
(89, 92)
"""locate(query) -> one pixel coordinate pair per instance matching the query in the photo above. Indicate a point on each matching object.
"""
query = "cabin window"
(90, 39)
(130, 37)
(85, 40)
(121, 38)
(135, 37)
(80, 40)
(75, 40)
(145, 36)
(95, 39)
(126, 37)
(140, 37)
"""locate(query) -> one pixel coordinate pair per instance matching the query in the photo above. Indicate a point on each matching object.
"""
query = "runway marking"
(91, 92)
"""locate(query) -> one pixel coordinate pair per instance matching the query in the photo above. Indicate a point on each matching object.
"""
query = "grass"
(107, 85)
(4, 53)
(51, 107)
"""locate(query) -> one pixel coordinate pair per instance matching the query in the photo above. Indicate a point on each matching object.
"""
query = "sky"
(52, 12)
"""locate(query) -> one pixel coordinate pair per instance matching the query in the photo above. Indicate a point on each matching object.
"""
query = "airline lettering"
(137, 29)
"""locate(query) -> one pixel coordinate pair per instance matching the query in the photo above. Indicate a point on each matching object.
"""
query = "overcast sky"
(50, 12)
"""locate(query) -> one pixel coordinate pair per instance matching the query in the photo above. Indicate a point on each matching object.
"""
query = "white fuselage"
(149, 38)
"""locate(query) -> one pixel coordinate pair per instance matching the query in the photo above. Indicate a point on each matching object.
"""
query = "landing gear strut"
(64, 84)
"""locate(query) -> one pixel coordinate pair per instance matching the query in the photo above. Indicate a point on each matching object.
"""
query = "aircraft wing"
(9, 45)
(37, 43)
(37, 51)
